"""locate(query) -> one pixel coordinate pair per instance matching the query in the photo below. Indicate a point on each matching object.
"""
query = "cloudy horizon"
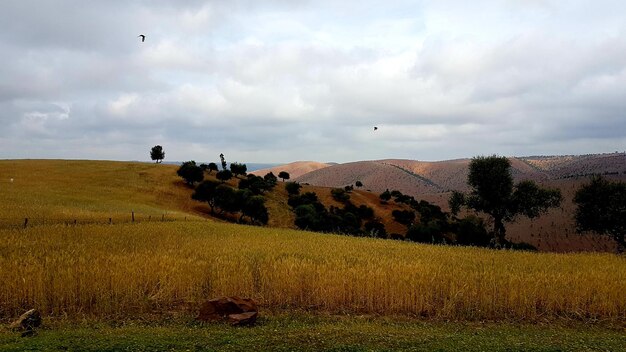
(281, 81)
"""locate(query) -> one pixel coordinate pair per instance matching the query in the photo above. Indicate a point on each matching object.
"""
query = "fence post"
(25, 222)
(149, 217)
(74, 222)
(132, 214)
(110, 221)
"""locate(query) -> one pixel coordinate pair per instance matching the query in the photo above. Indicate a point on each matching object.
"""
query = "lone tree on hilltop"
(238, 169)
(602, 209)
(223, 161)
(492, 192)
(358, 184)
(157, 153)
(284, 175)
(212, 167)
(190, 172)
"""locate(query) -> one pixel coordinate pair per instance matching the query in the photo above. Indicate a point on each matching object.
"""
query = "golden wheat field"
(137, 268)
(125, 269)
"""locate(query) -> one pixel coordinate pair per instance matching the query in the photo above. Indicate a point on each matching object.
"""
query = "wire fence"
(132, 217)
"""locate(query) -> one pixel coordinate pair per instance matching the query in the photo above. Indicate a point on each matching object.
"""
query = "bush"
(190, 172)
(293, 188)
(224, 175)
(375, 229)
(470, 231)
(340, 195)
(405, 217)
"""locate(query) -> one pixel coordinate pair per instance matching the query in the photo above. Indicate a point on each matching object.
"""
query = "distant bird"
(375, 128)
(143, 37)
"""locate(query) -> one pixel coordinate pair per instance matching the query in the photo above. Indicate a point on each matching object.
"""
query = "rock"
(221, 308)
(27, 322)
(242, 319)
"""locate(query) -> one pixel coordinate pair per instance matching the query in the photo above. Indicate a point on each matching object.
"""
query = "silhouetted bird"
(143, 37)
(375, 128)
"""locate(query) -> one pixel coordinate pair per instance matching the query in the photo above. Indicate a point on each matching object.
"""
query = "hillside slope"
(61, 191)
(442, 176)
(295, 169)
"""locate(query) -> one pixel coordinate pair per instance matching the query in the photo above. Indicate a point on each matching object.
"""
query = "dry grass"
(89, 190)
(127, 269)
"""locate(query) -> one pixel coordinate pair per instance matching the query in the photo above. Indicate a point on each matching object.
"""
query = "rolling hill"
(295, 169)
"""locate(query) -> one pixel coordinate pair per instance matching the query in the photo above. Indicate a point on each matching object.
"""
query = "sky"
(286, 80)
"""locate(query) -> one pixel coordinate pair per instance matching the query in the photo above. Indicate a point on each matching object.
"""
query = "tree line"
(601, 204)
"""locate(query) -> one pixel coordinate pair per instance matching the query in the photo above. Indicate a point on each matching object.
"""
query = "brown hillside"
(417, 177)
(295, 169)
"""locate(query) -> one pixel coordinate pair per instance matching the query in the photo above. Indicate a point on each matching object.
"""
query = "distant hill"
(295, 169)
(417, 177)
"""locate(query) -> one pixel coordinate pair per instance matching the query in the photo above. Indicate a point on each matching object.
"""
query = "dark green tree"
(271, 179)
(493, 193)
(385, 196)
(224, 175)
(358, 184)
(340, 194)
(254, 208)
(238, 169)
(223, 161)
(292, 187)
(212, 167)
(205, 192)
(190, 172)
(375, 228)
(470, 231)
(226, 199)
(157, 153)
(256, 184)
(601, 208)
(284, 175)
(405, 217)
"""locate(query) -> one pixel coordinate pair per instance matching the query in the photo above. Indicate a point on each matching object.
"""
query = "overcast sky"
(287, 80)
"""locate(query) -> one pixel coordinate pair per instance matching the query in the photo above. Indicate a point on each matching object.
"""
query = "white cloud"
(281, 81)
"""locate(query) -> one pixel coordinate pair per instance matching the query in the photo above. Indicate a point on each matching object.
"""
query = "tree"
(375, 229)
(340, 194)
(284, 175)
(493, 193)
(601, 208)
(205, 192)
(190, 172)
(224, 175)
(157, 153)
(226, 199)
(271, 179)
(254, 208)
(256, 184)
(358, 184)
(223, 161)
(385, 196)
(212, 167)
(238, 169)
(405, 217)
(293, 187)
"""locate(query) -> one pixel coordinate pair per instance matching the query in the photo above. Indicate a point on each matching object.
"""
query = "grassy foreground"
(303, 332)
(128, 269)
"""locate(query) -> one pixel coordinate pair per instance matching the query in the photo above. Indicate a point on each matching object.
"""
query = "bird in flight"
(375, 128)
(143, 37)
